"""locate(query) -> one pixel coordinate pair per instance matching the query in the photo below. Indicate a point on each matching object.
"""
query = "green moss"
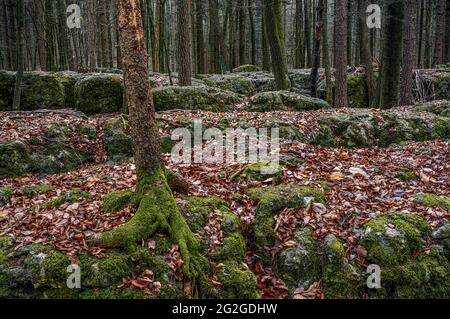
(86, 130)
(237, 283)
(177, 182)
(32, 191)
(70, 197)
(104, 272)
(193, 98)
(116, 200)
(5, 195)
(246, 68)
(272, 200)
(116, 140)
(233, 248)
(392, 238)
(299, 266)
(342, 281)
(284, 101)
(441, 84)
(41, 90)
(14, 159)
(407, 175)
(237, 84)
(97, 94)
(7, 81)
(431, 200)
(260, 172)
(68, 80)
(357, 91)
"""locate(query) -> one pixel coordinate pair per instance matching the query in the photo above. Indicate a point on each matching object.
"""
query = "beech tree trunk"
(409, 49)
(440, 32)
(20, 53)
(340, 24)
(184, 42)
(317, 40)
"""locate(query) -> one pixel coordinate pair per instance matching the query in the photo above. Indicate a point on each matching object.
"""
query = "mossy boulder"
(193, 98)
(7, 81)
(260, 172)
(246, 68)
(301, 79)
(341, 279)
(300, 266)
(99, 93)
(104, 272)
(237, 283)
(358, 96)
(441, 108)
(354, 130)
(68, 79)
(5, 195)
(442, 236)
(69, 197)
(41, 90)
(116, 141)
(441, 85)
(234, 83)
(286, 130)
(284, 101)
(14, 159)
(431, 200)
(272, 200)
(116, 200)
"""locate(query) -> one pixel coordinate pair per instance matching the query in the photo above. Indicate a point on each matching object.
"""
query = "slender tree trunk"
(299, 60)
(440, 32)
(214, 34)
(392, 54)
(340, 24)
(318, 31)
(200, 35)
(308, 35)
(275, 38)
(184, 42)
(409, 49)
(349, 33)
(366, 53)
(252, 32)
(428, 39)
(20, 56)
(447, 33)
(242, 33)
(40, 33)
(420, 35)
(264, 44)
(326, 55)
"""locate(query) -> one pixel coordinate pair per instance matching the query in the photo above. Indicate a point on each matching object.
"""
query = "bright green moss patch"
(14, 159)
(70, 197)
(260, 172)
(116, 200)
(5, 195)
(237, 283)
(32, 191)
(342, 281)
(407, 175)
(246, 68)
(431, 200)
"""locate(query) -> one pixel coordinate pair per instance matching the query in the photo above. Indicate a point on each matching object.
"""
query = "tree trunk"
(318, 30)
(308, 35)
(242, 33)
(299, 60)
(252, 32)
(264, 44)
(447, 33)
(392, 54)
(20, 57)
(184, 42)
(40, 33)
(326, 56)
(366, 53)
(440, 32)
(409, 49)
(157, 210)
(340, 24)
(200, 37)
(214, 34)
(275, 38)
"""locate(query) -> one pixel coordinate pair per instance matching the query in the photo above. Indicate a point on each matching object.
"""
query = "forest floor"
(357, 184)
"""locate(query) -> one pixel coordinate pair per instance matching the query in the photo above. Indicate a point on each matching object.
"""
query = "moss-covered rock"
(69, 197)
(441, 85)
(68, 79)
(32, 191)
(237, 283)
(284, 101)
(431, 200)
(300, 266)
(272, 200)
(442, 236)
(95, 94)
(340, 278)
(354, 130)
(286, 130)
(116, 141)
(193, 98)
(234, 83)
(260, 172)
(116, 200)
(301, 79)
(246, 68)
(358, 96)
(7, 81)
(5, 195)
(14, 159)
(441, 108)
(41, 90)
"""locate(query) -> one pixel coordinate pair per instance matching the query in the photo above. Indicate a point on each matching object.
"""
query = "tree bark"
(275, 38)
(366, 53)
(318, 30)
(200, 37)
(20, 56)
(184, 42)
(409, 49)
(214, 34)
(440, 32)
(341, 53)
(299, 61)
(308, 35)
(326, 56)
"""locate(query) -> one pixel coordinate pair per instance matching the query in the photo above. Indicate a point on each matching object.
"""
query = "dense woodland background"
(220, 35)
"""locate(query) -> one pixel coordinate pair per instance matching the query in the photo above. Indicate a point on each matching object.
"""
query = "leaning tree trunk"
(392, 54)
(275, 38)
(409, 49)
(157, 209)
(20, 58)
(340, 24)
(184, 42)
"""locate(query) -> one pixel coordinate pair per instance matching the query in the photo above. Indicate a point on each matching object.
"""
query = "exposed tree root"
(158, 211)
